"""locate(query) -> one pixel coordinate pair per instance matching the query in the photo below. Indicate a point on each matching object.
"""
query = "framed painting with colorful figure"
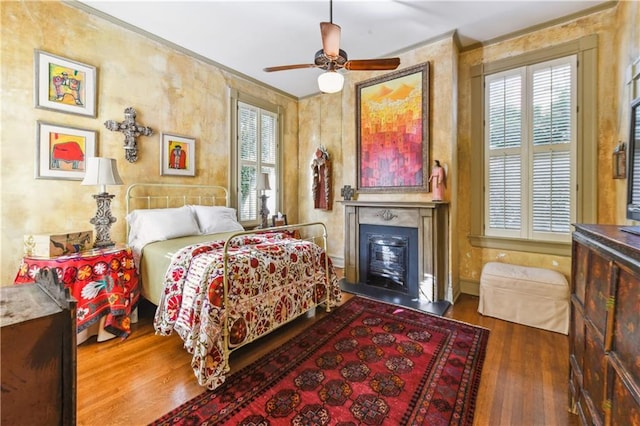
(392, 132)
(177, 155)
(62, 150)
(64, 85)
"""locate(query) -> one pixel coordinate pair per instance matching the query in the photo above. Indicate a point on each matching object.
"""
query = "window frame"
(235, 99)
(526, 149)
(585, 175)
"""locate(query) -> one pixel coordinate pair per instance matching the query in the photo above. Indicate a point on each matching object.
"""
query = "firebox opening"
(389, 258)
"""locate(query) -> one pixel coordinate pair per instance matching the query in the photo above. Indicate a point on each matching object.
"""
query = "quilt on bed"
(272, 278)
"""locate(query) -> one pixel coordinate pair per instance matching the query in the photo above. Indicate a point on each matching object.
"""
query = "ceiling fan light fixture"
(330, 82)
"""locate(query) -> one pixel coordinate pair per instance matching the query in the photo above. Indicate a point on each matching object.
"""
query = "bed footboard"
(222, 295)
(315, 233)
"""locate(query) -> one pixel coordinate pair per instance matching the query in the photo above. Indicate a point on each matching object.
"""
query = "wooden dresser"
(38, 350)
(604, 380)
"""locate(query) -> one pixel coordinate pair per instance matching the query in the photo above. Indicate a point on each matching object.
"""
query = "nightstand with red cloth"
(103, 281)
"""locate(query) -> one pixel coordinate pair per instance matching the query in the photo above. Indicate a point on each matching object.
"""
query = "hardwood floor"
(133, 382)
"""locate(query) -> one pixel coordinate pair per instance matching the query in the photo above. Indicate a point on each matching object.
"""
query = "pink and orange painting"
(392, 120)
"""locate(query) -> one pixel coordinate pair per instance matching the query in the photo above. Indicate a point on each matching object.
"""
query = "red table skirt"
(103, 281)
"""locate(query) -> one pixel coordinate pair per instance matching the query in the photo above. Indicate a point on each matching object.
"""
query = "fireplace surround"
(396, 221)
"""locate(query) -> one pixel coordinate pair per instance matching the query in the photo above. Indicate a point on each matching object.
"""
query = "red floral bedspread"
(272, 278)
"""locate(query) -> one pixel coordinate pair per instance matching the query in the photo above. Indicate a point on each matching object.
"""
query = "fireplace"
(389, 258)
(397, 250)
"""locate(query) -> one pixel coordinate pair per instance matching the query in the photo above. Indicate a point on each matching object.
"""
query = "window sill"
(515, 244)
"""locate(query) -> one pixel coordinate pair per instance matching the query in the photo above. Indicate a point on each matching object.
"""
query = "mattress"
(156, 258)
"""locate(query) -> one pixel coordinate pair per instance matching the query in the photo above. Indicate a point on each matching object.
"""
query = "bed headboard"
(166, 195)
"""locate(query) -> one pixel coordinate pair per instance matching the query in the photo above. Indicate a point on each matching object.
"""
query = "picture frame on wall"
(64, 85)
(61, 151)
(392, 132)
(177, 155)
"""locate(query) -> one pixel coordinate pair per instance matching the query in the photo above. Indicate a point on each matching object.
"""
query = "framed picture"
(392, 131)
(64, 85)
(177, 155)
(279, 221)
(62, 150)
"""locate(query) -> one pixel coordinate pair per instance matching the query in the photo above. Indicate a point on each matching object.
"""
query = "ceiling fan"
(331, 58)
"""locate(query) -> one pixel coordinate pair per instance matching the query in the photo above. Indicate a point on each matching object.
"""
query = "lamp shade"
(101, 171)
(330, 82)
(263, 184)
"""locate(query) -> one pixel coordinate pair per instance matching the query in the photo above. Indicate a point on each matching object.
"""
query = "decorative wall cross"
(347, 192)
(131, 131)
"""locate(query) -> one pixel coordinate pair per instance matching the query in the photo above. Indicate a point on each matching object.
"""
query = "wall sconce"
(102, 172)
(264, 186)
(620, 161)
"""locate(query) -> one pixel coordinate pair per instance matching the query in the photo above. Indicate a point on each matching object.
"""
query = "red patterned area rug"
(366, 363)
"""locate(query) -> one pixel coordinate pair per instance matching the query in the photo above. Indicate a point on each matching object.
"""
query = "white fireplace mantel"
(431, 221)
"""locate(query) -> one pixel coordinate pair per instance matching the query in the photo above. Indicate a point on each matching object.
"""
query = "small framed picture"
(62, 150)
(280, 220)
(64, 85)
(177, 155)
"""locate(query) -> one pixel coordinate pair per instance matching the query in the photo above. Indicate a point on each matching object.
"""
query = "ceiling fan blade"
(330, 39)
(372, 64)
(289, 67)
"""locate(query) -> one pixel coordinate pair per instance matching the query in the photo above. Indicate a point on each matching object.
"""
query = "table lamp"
(264, 186)
(102, 172)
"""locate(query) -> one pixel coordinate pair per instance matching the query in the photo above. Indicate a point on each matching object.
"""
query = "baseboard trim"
(470, 287)
(338, 261)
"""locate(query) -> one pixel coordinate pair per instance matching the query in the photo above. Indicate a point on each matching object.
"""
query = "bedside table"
(103, 281)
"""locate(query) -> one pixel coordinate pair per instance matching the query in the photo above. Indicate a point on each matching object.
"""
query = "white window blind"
(505, 140)
(635, 190)
(257, 131)
(530, 132)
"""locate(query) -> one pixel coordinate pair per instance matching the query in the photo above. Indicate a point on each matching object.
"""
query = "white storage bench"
(536, 297)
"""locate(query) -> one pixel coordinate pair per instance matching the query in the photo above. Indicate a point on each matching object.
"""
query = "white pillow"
(147, 226)
(212, 219)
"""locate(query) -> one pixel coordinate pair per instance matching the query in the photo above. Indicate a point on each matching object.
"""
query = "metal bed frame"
(151, 197)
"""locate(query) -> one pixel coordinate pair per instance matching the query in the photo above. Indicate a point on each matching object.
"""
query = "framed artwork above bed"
(61, 151)
(177, 155)
(64, 85)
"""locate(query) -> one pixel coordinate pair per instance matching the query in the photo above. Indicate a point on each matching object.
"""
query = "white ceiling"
(246, 36)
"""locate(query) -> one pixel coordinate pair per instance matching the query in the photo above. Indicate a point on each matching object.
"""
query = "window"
(535, 119)
(255, 150)
(530, 138)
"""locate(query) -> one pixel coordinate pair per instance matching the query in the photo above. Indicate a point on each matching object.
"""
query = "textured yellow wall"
(617, 44)
(627, 47)
(330, 120)
(320, 123)
(450, 130)
(175, 93)
(171, 92)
